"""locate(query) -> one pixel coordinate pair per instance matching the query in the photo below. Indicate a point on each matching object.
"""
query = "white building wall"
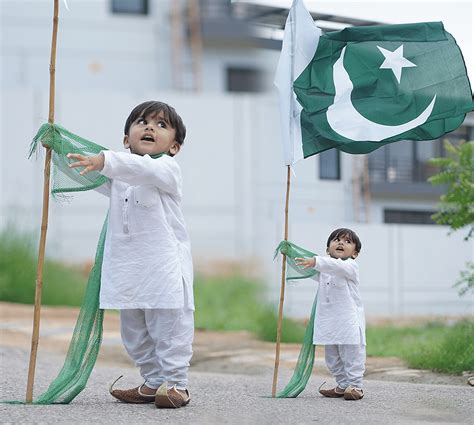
(233, 199)
(104, 51)
(96, 49)
(231, 160)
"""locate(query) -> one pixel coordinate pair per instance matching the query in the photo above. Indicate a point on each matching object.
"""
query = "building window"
(408, 217)
(329, 165)
(132, 7)
(244, 80)
(408, 161)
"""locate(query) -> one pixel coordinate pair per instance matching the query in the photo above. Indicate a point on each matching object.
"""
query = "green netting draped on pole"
(304, 365)
(87, 335)
(85, 343)
(62, 142)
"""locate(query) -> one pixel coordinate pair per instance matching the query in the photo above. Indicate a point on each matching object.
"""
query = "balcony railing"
(398, 170)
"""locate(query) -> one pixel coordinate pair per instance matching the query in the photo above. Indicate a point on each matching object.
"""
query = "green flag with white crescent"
(369, 86)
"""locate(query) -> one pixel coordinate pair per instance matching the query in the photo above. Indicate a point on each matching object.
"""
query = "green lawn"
(235, 303)
(437, 346)
(18, 258)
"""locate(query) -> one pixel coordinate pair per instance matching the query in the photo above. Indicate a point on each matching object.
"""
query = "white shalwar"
(340, 322)
(147, 270)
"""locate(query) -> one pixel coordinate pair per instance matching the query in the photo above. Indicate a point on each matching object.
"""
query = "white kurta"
(340, 315)
(147, 255)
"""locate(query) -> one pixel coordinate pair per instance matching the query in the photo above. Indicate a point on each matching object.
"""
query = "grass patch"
(18, 259)
(235, 303)
(435, 345)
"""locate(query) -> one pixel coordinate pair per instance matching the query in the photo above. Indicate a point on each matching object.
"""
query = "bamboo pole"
(44, 219)
(282, 290)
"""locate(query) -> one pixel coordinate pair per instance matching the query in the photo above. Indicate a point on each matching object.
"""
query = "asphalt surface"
(226, 398)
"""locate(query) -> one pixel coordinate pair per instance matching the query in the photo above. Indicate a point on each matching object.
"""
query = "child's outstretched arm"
(163, 173)
(335, 266)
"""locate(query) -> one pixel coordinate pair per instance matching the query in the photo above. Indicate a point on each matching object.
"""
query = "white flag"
(300, 42)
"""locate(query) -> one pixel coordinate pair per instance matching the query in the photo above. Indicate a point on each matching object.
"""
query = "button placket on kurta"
(125, 210)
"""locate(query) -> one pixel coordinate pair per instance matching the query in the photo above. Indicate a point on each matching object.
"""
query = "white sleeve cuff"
(107, 159)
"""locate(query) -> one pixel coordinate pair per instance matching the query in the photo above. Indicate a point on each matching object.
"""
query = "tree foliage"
(457, 172)
(456, 208)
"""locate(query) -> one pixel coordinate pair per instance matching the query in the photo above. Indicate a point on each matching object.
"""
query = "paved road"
(225, 398)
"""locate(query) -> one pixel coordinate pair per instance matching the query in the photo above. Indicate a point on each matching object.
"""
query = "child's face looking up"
(342, 247)
(151, 135)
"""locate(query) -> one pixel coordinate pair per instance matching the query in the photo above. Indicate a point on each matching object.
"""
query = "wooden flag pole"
(44, 219)
(282, 289)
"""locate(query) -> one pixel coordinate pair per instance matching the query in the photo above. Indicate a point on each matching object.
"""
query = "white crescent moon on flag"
(346, 121)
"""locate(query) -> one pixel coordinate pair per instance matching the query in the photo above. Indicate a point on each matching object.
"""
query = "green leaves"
(456, 208)
(457, 172)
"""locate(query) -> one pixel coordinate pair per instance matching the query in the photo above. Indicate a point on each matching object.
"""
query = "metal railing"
(399, 170)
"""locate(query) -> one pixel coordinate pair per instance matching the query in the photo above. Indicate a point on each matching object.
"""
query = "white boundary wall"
(233, 199)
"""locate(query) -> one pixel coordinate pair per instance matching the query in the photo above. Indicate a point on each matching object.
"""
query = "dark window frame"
(323, 156)
(143, 7)
(398, 216)
(414, 169)
(234, 73)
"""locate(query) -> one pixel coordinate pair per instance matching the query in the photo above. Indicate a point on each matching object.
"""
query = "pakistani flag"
(365, 87)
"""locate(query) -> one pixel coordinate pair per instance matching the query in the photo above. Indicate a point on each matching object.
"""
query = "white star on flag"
(395, 61)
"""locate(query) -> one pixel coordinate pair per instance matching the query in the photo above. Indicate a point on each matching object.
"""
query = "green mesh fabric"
(85, 343)
(304, 365)
(62, 142)
(87, 335)
(292, 251)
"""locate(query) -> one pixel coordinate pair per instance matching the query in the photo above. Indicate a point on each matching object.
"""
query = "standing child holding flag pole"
(358, 89)
(143, 256)
(339, 324)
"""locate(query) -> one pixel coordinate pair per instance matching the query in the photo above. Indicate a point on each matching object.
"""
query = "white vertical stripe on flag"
(299, 46)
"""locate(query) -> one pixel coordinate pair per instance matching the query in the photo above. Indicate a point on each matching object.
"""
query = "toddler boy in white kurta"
(339, 323)
(147, 270)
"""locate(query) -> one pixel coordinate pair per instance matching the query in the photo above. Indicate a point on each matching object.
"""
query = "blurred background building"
(214, 61)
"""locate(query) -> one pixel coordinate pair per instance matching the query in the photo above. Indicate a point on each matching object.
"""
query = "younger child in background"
(339, 322)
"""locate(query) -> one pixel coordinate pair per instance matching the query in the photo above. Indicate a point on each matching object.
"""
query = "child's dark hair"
(169, 113)
(338, 233)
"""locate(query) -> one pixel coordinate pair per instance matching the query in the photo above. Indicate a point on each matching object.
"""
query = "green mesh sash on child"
(304, 365)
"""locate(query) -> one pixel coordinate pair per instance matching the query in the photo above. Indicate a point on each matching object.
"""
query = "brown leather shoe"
(332, 393)
(171, 397)
(132, 395)
(353, 393)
